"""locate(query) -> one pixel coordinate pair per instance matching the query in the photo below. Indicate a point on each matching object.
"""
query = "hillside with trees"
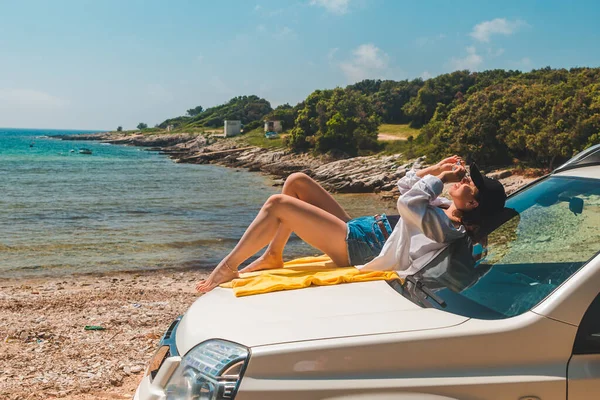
(244, 108)
(538, 118)
(494, 117)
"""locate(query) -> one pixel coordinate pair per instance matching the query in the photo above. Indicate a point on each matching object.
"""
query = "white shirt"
(422, 231)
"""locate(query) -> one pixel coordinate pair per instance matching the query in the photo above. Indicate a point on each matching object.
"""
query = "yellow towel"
(301, 273)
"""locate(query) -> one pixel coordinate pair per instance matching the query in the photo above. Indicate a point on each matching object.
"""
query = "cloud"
(268, 12)
(331, 53)
(369, 62)
(428, 40)
(274, 13)
(277, 33)
(471, 61)
(495, 53)
(338, 7)
(524, 63)
(284, 33)
(499, 26)
(30, 98)
(426, 75)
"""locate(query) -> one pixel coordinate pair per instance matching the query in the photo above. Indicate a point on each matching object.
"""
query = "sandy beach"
(45, 352)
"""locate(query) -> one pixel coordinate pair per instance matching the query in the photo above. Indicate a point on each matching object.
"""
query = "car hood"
(307, 314)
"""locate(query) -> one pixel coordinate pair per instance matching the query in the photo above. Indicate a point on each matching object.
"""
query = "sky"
(98, 64)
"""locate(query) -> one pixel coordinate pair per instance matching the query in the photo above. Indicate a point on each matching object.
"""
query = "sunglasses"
(467, 174)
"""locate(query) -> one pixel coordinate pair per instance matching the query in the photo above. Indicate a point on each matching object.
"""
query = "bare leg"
(302, 187)
(315, 226)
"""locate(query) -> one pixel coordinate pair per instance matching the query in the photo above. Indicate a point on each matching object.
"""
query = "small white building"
(232, 128)
(273, 126)
(170, 128)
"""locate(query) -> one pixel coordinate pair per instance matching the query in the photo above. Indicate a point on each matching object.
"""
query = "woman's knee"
(274, 202)
(296, 180)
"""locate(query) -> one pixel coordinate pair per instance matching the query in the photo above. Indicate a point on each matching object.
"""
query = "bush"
(252, 125)
(540, 118)
(336, 119)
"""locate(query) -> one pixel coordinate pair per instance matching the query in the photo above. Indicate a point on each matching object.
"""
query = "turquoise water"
(121, 208)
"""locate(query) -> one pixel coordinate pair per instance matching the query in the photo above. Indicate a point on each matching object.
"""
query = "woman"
(427, 223)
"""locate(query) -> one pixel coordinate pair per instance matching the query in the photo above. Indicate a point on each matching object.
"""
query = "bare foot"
(266, 261)
(221, 274)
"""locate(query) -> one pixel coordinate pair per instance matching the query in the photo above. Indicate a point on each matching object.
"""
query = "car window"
(547, 233)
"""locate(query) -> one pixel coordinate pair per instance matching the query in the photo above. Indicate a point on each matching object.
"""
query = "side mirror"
(576, 205)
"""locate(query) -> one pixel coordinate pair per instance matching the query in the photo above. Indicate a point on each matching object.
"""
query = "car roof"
(589, 157)
(581, 172)
(585, 164)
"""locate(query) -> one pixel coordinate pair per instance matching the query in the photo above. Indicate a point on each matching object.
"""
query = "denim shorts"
(365, 239)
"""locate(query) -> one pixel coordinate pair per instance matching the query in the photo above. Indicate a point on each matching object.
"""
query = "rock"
(116, 380)
(388, 187)
(400, 173)
(136, 369)
(500, 174)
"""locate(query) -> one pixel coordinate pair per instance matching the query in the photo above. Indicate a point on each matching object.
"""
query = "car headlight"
(210, 371)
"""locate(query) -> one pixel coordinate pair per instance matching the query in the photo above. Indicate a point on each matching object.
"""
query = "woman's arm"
(416, 209)
(447, 164)
(413, 176)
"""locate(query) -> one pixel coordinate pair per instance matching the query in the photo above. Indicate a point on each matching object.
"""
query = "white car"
(521, 323)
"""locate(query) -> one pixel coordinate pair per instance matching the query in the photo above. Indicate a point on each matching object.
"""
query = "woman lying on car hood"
(426, 223)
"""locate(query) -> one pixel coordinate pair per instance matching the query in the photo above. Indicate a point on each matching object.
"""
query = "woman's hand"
(455, 174)
(448, 164)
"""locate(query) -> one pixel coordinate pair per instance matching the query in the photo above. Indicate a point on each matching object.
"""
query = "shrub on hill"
(539, 117)
(338, 119)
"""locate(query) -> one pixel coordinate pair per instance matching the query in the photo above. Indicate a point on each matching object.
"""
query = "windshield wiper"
(420, 286)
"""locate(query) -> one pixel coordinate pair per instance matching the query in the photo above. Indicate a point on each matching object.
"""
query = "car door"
(584, 367)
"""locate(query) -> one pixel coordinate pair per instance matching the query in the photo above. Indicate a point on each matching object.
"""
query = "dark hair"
(479, 226)
(472, 222)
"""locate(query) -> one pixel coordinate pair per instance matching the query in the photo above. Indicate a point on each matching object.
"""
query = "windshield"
(548, 231)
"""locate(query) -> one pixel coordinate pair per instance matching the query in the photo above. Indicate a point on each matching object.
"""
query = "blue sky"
(86, 64)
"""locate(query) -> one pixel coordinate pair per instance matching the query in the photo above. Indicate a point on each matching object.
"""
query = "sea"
(124, 208)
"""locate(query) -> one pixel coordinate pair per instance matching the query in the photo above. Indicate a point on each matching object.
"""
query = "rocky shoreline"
(368, 174)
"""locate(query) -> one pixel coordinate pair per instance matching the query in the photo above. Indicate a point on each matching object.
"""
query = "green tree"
(441, 89)
(339, 119)
(119, 128)
(392, 97)
(142, 125)
(192, 112)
